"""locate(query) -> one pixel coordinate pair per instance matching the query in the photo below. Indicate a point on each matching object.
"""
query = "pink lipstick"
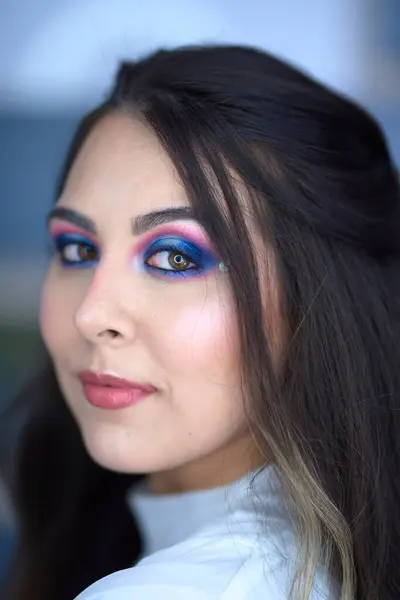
(112, 393)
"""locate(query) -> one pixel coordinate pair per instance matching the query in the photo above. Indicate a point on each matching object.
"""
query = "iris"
(76, 250)
(173, 256)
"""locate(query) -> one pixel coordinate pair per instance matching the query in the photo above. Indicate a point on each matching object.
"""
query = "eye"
(75, 250)
(73, 253)
(174, 256)
(170, 260)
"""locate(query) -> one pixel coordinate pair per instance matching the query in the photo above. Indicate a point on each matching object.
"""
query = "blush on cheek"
(205, 335)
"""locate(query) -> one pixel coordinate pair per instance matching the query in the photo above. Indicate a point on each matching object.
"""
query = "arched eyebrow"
(72, 216)
(143, 223)
(140, 224)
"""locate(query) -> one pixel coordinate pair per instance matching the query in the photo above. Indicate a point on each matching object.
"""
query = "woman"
(221, 405)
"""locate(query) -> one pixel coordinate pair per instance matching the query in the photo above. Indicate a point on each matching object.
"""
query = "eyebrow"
(72, 216)
(143, 223)
(140, 224)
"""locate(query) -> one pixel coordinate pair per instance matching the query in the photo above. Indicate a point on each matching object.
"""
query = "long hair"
(321, 191)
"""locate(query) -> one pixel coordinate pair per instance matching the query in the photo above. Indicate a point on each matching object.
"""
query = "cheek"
(56, 314)
(202, 340)
(49, 324)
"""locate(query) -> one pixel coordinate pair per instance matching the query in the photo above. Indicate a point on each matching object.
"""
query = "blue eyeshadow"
(203, 259)
(62, 240)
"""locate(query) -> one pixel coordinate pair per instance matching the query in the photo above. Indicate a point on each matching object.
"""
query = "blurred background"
(57, 60)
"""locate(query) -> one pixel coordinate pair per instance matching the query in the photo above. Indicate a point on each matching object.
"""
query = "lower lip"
(112, 398)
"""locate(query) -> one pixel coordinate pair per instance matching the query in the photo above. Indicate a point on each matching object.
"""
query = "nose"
(101, 318)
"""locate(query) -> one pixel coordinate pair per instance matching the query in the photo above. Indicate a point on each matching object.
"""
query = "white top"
(229, 543)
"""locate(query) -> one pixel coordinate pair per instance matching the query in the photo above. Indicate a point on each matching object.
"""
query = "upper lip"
(106, 380)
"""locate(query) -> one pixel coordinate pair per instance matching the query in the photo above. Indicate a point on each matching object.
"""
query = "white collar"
(167, 519)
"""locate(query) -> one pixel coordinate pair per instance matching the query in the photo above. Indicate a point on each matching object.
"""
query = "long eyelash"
(171, 273)
(62, 240)
(160, 272)
(187, 256)
(203, 259)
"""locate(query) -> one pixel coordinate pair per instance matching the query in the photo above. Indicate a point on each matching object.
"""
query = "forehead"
(122, 165)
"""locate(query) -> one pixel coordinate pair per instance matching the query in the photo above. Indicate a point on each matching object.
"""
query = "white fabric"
(229, 543)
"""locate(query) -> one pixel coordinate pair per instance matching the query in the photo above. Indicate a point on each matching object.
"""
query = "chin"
(114, 449)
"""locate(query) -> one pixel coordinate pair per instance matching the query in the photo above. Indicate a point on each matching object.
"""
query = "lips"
(113, 393)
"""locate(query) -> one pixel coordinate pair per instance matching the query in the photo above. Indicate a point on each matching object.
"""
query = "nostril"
(113, 333)
(110, 333)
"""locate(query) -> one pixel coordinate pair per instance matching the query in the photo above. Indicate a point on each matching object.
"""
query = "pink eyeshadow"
(58, 229)
(190, 231)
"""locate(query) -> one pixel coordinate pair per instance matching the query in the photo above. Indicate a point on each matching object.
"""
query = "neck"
(215, 470)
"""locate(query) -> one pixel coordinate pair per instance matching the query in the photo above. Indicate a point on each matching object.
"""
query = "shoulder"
(213, 565)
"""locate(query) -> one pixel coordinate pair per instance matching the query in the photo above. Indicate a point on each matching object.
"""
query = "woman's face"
(136, 290)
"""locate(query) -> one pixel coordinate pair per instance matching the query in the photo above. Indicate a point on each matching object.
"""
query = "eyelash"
(65, 241)
(199, 259)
